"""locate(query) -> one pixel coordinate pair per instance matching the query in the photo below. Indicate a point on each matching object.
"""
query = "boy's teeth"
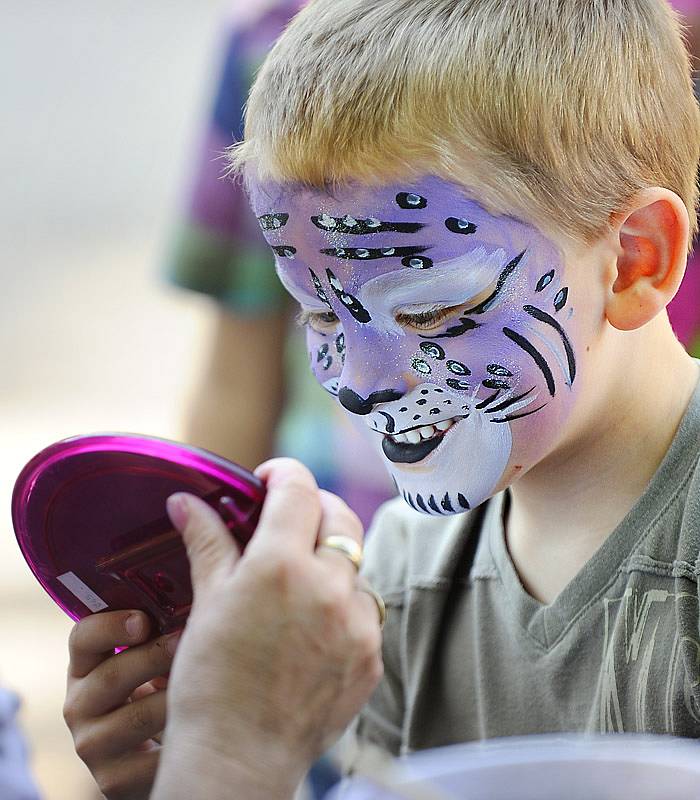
(424, 432)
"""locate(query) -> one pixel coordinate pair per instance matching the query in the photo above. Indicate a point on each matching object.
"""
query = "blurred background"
(105, 106)
(102, 102)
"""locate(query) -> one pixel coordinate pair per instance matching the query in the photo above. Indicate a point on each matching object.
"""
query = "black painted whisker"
(510, 402)
(519, 416)
(542, 316)
(489, 399)
(535, 355)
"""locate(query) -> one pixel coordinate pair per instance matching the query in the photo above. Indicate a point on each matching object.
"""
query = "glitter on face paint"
(451, 404)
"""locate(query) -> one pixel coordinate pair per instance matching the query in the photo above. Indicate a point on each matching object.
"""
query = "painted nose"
(365, 405)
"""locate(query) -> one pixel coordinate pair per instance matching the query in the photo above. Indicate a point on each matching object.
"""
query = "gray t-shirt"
(470, 655)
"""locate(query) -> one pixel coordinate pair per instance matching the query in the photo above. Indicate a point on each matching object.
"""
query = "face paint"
(447, 329)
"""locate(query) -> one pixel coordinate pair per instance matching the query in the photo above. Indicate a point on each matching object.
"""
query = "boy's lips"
(400, 450)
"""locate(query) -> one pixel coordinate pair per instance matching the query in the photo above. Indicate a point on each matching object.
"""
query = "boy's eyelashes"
(322, 321)
(425, 319)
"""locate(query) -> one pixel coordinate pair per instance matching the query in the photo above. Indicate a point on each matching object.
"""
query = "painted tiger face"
(448, 330)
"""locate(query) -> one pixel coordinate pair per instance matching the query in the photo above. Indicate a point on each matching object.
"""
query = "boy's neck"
(563, 509)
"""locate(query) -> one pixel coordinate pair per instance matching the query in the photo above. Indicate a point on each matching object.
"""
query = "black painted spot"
(421, 503)
(432, 350)
(544, 281)
(402, 409)
(453, 383)
(360, 227)
(340, 343)
(285, 250)
(327, 363)
(373, 253)
(561, 298)
(434, 410)
(272, 222)
(460, 225)
(495, 383)
(462, 500)
(457, 368)
(438, 391)
(497, 369)
(322, 352)
(425, 391)
(417, 262)
(410, 201)
(421, 402)
(433, 504)
(353, 305)
(421, 366)
(446, 504)
(447, 402)
(417, 416)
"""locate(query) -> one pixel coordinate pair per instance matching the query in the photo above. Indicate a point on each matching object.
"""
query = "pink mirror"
(89, 515)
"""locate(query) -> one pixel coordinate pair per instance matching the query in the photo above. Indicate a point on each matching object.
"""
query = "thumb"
(210, 547)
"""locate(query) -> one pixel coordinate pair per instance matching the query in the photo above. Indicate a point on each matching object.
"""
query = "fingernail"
(171, 643)
(176, 506)
(133, 625)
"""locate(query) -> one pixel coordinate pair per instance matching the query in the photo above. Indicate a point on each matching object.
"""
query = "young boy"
(483, 209)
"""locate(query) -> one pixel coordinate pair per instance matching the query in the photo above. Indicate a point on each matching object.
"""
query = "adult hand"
(115, 704)
(280, 650)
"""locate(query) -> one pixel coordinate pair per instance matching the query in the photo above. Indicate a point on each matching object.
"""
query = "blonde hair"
(559, 110)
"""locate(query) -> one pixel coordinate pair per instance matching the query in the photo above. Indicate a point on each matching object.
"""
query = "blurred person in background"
(684, 310)
(257, 396)
(15, 780)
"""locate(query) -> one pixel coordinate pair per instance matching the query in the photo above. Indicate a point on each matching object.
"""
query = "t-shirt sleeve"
(217, 248)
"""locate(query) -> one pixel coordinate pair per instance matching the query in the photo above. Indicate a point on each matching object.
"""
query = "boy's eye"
(321, 321)
(425, 320)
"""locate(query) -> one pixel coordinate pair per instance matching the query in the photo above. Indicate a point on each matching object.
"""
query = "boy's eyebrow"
(454, 281)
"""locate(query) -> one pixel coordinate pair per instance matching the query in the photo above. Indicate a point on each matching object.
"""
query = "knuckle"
(112, 784)
(341, 513)
(106, 676)
(86, 745)
(75, 637)
(70, 711)
(140, 716)
(304, 493)
(333, 605)
(375, 670)
(277, 572)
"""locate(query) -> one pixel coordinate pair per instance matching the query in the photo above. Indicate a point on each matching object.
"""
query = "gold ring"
(345, 545)
(363, 585)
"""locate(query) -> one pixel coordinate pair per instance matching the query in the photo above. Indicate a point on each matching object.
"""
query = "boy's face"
(449, 331)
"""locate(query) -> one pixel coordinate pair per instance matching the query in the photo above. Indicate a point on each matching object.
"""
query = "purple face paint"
(446, 328)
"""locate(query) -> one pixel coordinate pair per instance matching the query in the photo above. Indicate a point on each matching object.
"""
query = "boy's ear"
(652, 252)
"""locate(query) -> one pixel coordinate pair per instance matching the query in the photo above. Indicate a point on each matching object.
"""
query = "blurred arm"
(238, 402)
